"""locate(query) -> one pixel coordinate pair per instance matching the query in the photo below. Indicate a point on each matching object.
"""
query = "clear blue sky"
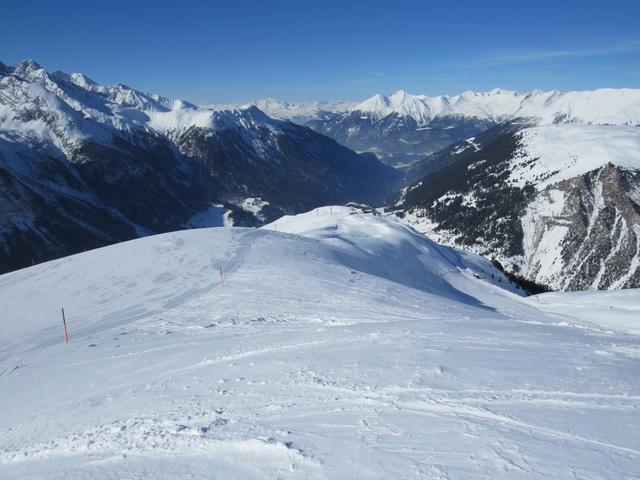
(234, 50)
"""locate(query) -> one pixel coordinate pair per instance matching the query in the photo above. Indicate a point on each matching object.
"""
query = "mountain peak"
(27, 67)
(377, 104)
(401, 102)
(82, 80)
(400, 94)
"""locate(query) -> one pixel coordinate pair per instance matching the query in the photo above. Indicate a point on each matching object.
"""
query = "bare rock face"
(589, 238)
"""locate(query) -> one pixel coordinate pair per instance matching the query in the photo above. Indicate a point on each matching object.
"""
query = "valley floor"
(341, 345)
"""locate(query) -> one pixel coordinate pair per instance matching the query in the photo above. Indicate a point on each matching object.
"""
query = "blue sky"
(302, 50)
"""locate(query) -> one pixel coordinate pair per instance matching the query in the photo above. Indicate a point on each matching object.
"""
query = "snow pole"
(64, 324)
(221, 278)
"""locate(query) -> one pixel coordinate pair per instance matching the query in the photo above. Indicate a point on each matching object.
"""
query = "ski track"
(347, 376)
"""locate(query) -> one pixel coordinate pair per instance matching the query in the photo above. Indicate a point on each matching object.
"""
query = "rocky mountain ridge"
(557, 204)
(84, 165)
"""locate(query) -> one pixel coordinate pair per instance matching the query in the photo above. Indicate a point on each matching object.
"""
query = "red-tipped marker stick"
(64, 324)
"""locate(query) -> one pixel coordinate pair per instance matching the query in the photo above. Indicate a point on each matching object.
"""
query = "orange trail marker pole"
(64, 324)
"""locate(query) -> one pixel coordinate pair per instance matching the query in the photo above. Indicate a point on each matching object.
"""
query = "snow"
(541, 252)
(342, 345)
(180, 118)
(296, 111)
(471, 141)
(401, 102)
(20, 131)
(602, 106)
(618, 309)
(213, 216)
(552, 153)
(77, 108)
(253, 205)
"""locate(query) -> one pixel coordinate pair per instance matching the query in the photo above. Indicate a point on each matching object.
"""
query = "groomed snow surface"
(342, 345)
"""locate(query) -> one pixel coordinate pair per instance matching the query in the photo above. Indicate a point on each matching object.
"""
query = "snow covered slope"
(342, 345)
(619, 309)
(551, 153)
(559, 204)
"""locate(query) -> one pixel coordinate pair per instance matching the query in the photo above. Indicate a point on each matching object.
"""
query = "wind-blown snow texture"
(342, 345)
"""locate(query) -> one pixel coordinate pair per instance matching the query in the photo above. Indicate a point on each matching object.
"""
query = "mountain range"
(403, 128)
(606, 105)
(84, 165)
(544, 183)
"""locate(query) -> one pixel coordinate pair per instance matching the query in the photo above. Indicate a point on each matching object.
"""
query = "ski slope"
(342, 345)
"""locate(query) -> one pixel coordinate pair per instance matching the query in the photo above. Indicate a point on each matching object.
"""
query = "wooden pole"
(221, 278)
(64, 324)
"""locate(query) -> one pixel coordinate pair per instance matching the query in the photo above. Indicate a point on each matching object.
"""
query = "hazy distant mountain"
(602, 106)
(403, 128)
(299, 112)
(84, 165)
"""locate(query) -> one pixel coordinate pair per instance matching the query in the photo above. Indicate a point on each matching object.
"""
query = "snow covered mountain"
(299, 112)
(402, 128)
(342, 345)
(602, 106)
(84, 165)
(558, 204)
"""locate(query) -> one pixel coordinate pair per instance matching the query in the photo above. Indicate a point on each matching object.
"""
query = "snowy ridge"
(69, 148)
(295, 111)
(78, 108)
(601, 106)
(323, 356)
